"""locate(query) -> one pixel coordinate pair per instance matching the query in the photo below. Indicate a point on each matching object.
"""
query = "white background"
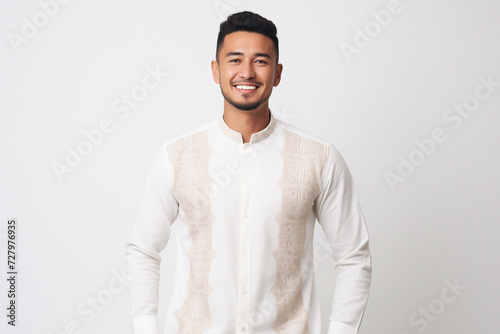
(439, 224)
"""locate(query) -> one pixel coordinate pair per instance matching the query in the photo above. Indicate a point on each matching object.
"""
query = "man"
(245, 191)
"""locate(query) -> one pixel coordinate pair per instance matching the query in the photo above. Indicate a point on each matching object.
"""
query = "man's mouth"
(246, 88)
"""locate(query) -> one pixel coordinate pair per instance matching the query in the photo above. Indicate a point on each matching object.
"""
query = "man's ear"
(277, 75)
(215, 71)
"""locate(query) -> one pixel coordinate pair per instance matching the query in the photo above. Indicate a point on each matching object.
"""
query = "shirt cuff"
(146, 324)
(341, 328)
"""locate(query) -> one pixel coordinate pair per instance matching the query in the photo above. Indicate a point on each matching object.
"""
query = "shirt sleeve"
(339, 214)
(150, 233)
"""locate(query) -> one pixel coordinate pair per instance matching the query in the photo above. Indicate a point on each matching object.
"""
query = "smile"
(245, 87)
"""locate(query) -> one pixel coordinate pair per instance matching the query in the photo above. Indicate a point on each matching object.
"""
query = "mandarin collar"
(257, 136)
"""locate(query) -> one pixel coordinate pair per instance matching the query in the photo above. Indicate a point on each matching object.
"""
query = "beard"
(246, 106)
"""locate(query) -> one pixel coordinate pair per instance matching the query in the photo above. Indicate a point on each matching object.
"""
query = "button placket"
(245, 237)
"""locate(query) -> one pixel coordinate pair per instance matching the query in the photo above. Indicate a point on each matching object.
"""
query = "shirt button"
(243, 329)
(245, 254)
(244, 291)
(245, 216)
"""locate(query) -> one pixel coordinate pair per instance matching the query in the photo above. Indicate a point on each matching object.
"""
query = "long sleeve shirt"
(246, 214)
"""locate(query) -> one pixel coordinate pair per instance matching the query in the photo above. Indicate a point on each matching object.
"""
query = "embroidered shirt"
(246, 214)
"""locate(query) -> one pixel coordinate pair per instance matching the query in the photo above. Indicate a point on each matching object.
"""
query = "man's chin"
(245, 106)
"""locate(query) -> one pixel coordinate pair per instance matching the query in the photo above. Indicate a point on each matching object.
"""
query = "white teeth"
(246, 87)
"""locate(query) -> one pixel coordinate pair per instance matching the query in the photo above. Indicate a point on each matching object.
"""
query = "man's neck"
(247, 122)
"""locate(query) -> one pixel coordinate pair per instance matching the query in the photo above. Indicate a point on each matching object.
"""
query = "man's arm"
(149, 236)
(339, 214)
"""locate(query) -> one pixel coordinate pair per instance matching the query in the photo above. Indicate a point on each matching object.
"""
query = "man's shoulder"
(190, 139)
(191, 133)
(305, 135)
(304, 142)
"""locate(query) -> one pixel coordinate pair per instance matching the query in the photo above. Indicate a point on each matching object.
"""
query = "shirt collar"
(236, 136)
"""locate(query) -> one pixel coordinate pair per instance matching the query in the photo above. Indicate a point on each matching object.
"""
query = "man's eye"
(261, 62)
(234, 60)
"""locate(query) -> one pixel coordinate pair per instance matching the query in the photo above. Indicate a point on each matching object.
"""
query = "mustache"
(246, 82)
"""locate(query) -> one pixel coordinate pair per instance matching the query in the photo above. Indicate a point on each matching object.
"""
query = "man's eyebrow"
(266, 55)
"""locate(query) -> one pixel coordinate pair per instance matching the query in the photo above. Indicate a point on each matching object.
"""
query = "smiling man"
(246, 68)
(245, 192)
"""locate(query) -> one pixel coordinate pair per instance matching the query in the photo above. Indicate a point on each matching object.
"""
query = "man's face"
(247, 70)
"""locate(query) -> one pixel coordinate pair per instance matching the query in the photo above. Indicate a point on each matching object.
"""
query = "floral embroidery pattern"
(303, 161)
(190, 156)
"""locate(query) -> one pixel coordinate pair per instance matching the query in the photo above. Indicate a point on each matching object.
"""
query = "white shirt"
(246, 214)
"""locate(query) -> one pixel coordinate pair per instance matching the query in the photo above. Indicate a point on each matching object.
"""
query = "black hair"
(247, 21)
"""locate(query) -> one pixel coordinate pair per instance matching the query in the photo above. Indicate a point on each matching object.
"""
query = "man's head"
(248, 21)
(247, 65)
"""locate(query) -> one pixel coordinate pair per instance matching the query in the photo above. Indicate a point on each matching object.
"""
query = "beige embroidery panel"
(190, 157)
(303, 161)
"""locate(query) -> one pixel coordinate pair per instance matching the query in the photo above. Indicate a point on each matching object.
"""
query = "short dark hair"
(247, 21)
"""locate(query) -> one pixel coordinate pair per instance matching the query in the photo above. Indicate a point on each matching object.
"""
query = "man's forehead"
(247, 39)
(255, 54)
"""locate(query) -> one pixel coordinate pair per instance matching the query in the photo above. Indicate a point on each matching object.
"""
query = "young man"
(245, 191)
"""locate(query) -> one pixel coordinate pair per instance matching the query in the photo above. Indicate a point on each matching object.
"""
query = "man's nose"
(246, 70)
